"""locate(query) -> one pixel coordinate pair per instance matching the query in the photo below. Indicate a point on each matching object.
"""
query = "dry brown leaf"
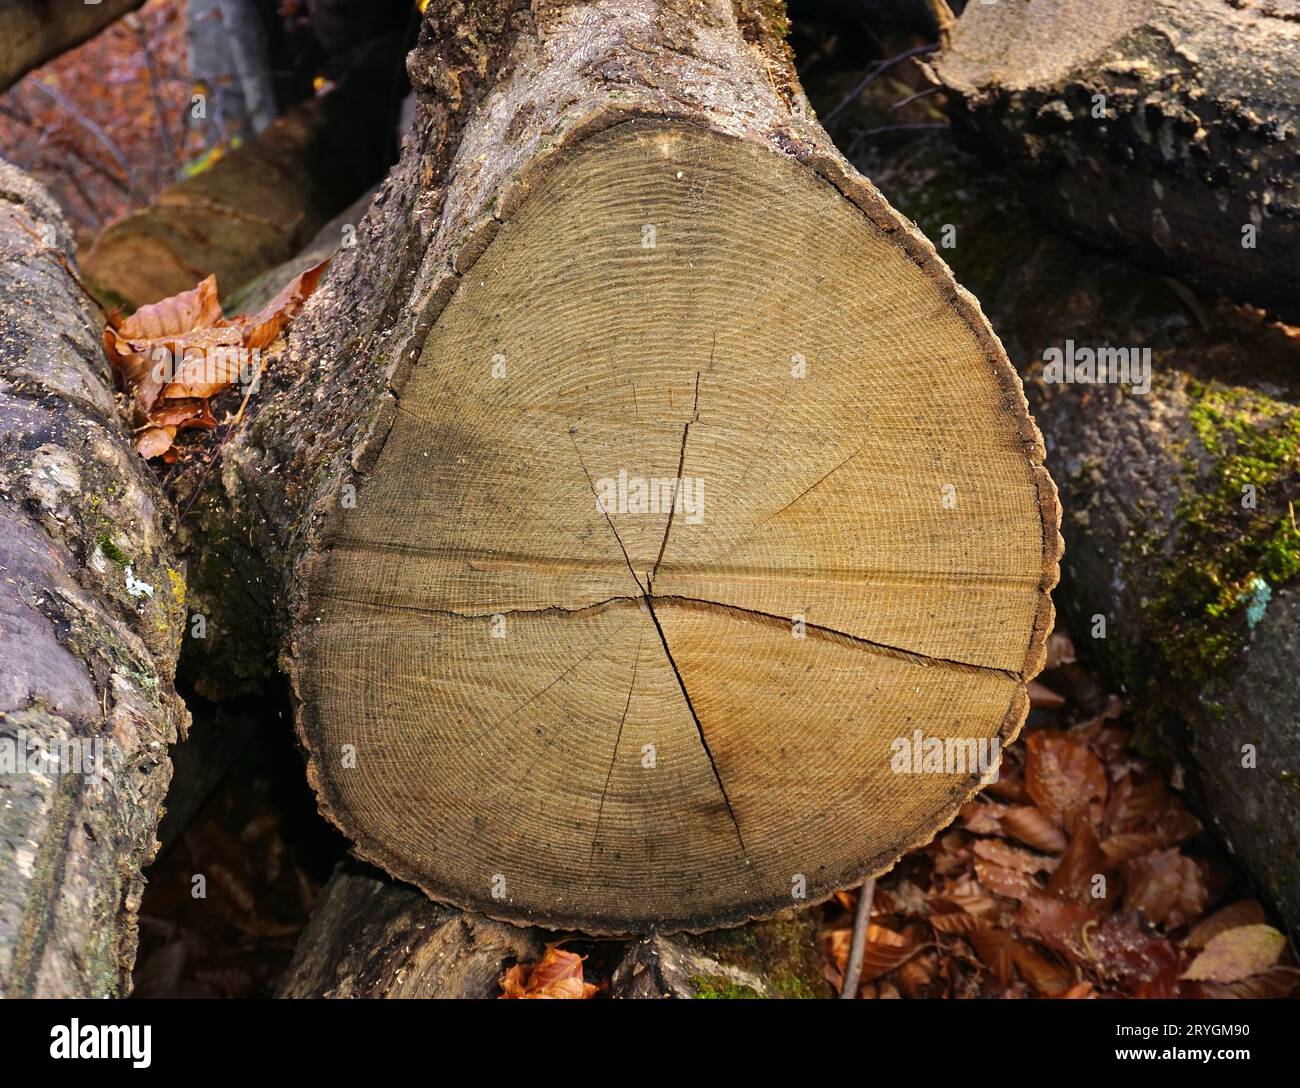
(1126, 952)
(557, 975)
(183, 349)
(983, 817)
(1061, 774)
(883, 951)
(1033, 828)
(1245, 912)
(1057, 924)
(1075, 877)
(1008, 883)
(1236, 954)
(1041, 697)
(1168, 888)
(1047, 977)
(1275, 982)
(272, 318)
(1060, 650)
(1012, 857)
(197, 308)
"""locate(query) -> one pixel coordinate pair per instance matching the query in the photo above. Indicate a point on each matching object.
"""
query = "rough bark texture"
(1200, 595)
(34, 31)
(505, 91)
(1192, 140)
(373, 937)
(778, 958)
(91, 607)
(260, 204)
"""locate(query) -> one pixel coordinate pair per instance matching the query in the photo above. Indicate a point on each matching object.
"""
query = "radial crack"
(681, 465)
(592, 484)
(699, 729)
(916, 657)
(613, 756)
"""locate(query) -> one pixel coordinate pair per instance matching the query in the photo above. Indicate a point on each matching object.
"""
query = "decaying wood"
(776, 958)
(617, 242)
(372, 937)
(91, 608)
(34, 31)
(1166, 129)
(260, 204)
(1197, 590)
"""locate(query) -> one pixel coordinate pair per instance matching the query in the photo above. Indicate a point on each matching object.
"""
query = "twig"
(912, 98)
(146, 48)
(858, 946)
(882, 67)
(58, 97)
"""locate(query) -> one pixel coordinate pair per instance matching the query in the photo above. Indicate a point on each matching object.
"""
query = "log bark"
(1198, 592)
(575, 214)
(91, 611)
(371, 936)
(34, 31)
(260, 204)
(1165, 129)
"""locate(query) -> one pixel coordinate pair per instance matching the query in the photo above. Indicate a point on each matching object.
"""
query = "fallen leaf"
(558, 974)
(1061, 774)
(1236, 954)
(1275, 982)
(1167, 887)
(1082, 863)
(1041, 697)
(1032, 827)
(1123, 951)
(1012, 857)
(883, 951)
(1245, 912)
(182, 349)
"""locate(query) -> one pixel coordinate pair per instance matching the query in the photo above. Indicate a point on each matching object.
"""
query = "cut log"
(619, 250)
(370, 936)
(1186, 592)
(260, 204)
(1165, 129)
(34, 31)
(91, 608)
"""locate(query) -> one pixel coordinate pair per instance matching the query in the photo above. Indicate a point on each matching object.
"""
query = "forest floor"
(1078, 873)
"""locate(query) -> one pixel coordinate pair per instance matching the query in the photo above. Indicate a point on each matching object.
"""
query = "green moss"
(783, 952)
(116, 554)
(1229, 556)
(714, 987)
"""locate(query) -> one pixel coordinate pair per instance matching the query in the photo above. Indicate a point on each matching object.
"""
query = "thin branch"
(879, 70)
(858, 946)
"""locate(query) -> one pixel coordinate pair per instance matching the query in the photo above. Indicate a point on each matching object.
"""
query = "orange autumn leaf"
(557, 975)
(883, 951)
(174, 355)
